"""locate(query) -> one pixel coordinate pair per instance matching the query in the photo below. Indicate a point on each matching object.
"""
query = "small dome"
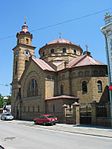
(24, 30)
(25, 27)
(60, 40)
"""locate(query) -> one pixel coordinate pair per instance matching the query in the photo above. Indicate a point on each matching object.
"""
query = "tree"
(1, 101)
(8, 100)
(4, 101)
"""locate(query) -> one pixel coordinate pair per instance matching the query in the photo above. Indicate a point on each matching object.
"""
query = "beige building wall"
(96, 95)
(64, 80)
(92, 93)
(49, 88)
(35, 103)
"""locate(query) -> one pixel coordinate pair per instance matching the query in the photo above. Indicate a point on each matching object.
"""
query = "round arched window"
(74, 51)
(64, 50)
(52, 51)
(99, 85)
(84, 87)
(32, 89)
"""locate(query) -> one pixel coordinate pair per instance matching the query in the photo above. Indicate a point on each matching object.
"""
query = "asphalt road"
(26, 135)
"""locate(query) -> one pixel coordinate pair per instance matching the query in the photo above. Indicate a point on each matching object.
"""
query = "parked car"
(7, 116)
(46, 119)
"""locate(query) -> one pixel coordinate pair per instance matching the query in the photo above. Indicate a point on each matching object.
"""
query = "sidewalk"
(86, 130)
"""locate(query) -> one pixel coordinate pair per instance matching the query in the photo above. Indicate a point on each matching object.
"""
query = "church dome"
(60, 48)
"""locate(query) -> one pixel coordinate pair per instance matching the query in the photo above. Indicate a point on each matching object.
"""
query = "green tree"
(4, 101)
(1, 101)
(8, 100)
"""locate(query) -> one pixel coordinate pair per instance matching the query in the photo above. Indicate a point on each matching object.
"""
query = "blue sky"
(43, 13)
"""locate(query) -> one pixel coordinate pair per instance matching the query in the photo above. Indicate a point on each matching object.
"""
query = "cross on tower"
(25, 20)
(86, 47)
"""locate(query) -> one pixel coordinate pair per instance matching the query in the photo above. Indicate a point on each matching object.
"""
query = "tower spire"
(86, 47)
(25, 20)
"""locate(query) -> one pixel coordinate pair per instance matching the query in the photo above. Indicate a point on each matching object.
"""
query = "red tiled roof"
(83, 60)
(42, 64)
(60, 40)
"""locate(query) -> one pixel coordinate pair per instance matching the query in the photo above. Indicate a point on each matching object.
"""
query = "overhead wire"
(4, 85)
(63, 22)
(70, 20)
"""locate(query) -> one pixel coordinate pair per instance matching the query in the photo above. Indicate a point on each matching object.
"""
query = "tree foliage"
(1, 101)
(4, 101)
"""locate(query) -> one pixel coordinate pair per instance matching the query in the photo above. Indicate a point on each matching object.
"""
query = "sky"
(78, 21)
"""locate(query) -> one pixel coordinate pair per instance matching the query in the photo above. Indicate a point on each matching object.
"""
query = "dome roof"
(60, 40)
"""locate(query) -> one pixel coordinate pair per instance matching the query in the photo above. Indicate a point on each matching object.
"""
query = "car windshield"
(51, 116)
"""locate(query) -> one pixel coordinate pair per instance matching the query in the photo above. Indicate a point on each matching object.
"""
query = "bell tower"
(22, 51)
(21, 54)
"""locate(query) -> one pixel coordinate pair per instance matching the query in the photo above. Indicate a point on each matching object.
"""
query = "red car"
(46, 119)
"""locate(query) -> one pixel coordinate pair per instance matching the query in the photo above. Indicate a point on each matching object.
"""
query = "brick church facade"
(63, 74)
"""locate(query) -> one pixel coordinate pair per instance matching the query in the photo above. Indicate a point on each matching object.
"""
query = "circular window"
(26, 52)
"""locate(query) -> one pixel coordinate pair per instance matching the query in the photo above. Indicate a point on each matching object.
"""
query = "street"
(25, 135)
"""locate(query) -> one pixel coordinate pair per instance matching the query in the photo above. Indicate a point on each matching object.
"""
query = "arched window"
(27, 41)
(84, 87)
(74, 51)
(32, 89)
(52, 51)
(61, 89)
(99, 85)
(64, 50)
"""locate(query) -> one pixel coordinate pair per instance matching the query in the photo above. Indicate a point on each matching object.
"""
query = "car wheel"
(2, 118)
(35, 123)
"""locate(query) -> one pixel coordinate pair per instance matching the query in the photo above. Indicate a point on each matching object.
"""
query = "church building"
(63, 74)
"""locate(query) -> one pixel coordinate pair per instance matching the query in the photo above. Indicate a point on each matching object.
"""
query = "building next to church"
(107, 31)
(63, 74)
